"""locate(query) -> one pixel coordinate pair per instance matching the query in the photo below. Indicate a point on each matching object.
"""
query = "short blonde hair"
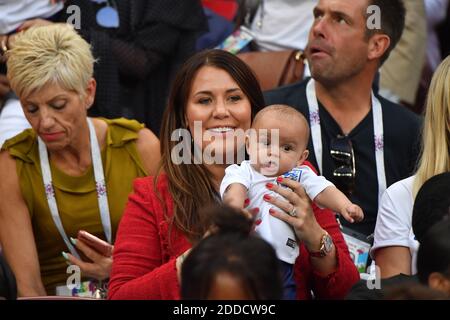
(54, 54)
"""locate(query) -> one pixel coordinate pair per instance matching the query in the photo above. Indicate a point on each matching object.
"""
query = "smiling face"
(337, 47)
(57, 115)
(217, 101)
(279, 144)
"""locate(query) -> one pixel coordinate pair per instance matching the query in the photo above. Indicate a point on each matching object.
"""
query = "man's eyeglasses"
(341, 151)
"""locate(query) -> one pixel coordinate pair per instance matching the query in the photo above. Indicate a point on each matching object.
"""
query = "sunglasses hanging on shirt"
(345, 155)
(341, 151)
(108, 16)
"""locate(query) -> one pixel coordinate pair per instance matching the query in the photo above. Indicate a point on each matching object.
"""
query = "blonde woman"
(86, 165)
(395, 247)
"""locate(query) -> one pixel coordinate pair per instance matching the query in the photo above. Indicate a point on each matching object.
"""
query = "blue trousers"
(289, 288)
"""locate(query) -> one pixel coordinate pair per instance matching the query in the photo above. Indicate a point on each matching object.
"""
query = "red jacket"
(144, 262)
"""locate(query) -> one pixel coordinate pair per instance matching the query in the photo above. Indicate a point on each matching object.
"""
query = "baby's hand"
(352, 213)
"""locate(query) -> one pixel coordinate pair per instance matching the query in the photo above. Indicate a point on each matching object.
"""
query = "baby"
(272, 154)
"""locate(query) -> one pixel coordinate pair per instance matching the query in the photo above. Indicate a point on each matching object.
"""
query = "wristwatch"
(326, 245)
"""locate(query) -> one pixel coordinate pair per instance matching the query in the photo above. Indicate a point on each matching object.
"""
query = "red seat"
(225, 8)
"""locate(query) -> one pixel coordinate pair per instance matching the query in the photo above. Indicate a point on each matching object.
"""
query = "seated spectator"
(219, 29)
(278, 24)
(400, 74)
(231, 263)
(13, 13)
(352, 127)
(436, 12)
(433, 259)
(395, 245)
(218, 91)
(431, 225)
(12, 118)
(277, 147)
(138, 53)
(431, 206)
(69, 172)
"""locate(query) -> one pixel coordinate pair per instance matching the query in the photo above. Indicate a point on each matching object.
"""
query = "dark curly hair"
(233, 250)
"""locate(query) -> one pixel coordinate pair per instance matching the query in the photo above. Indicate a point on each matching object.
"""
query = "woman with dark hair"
(431, 226)
(433, 258)
(231, 264)
(161, 217)
(214, 97)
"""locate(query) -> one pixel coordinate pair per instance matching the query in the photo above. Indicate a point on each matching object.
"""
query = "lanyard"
(316, 133)
(99, 183)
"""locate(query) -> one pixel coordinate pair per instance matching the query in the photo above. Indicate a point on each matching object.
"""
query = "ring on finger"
(293, 212)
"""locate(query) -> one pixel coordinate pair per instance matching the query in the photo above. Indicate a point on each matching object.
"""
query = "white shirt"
(14, 12)
(284, 24)
(394, 220)
(278, 233)
(12, 120)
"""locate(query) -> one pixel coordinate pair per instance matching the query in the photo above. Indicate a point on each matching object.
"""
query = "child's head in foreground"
(278, 140)
(232, 263)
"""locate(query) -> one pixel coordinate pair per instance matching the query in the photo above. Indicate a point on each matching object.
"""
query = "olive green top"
(76, 197)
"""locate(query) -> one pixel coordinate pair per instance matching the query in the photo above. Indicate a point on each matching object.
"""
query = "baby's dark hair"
(413, 291)
(232, 249)
(225, 219)
(283, 112)
(434, 252)
(432, 204)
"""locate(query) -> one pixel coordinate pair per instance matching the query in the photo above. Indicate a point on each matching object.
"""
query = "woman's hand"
(99, 268)
(3, 47)
(4, 86)
(33, 23)
(296, 210)
(7, 42)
